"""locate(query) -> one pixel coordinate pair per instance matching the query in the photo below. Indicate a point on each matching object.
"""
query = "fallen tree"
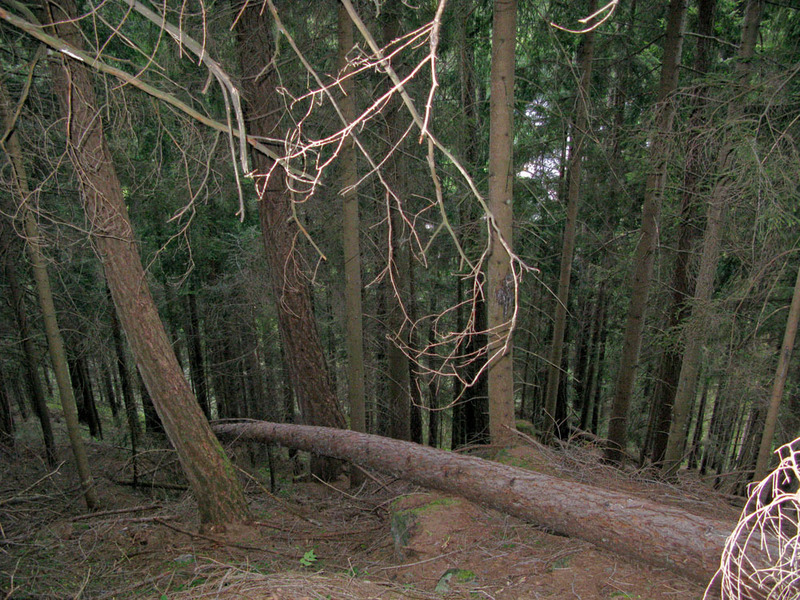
(657, 534)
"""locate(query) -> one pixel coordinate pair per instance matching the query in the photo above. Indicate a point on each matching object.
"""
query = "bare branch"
(36, 31)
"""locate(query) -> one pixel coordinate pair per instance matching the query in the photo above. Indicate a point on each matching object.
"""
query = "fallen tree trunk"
(658, 534)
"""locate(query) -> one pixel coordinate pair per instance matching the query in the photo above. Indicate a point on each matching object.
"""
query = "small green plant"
(508, 546)
(354, 572)
(561, 563)
(309, 559)
(262, 567)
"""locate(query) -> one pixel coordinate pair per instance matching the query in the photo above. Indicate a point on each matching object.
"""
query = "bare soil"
(310, 540)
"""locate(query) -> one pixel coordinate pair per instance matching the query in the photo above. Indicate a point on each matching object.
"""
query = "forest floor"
(311, 540)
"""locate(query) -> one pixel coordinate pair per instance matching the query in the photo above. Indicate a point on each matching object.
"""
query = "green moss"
(526, 427)
(453, 576)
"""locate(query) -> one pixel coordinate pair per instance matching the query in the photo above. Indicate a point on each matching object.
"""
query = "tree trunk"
(396, 279)
(197, 370)
(597, 391)
(658, 534)
(128, 398)
(302, 347)
(397, 295)
(592, 370)
(354, 328)
(704, 287)
(579, 137)
(107, 390)
(414, 387)
(6, 417)
(84, 395)
(434, 414)
(668, 373)
(55, 343)
(209, 472)
(470, 413)
(152, 422)
(765, 448)
(29, 350)
(697, 438)
(644, 256)
(501, 285)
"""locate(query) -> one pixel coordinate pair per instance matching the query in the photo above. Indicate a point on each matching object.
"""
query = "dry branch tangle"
(660, 535)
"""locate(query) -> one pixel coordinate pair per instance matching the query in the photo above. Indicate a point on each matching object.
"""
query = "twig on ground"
(20, 497)
(118, 511)
(220, 541)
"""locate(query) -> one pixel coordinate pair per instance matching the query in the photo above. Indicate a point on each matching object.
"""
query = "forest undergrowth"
(310, 539)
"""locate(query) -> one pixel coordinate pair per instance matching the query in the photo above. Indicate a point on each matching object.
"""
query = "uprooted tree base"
(658, 534)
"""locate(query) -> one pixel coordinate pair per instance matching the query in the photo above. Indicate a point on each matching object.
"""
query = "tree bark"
(470, 413)
(84, 395)
(644, 255)
(765, 449)
(28, 347)
(669, 369)
(579, 137)
(55, 342)
(704, 287)
(209, 472)
(303, 352)
(397, 279)
(197, 370)
(661, 535)
(354, 329)
(6, 417)
(500, 279)
(128, 398)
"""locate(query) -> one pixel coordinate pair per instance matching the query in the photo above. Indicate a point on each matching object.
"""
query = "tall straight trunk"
(32, 379)
(303, 352)
(6, 417)
(397, 276)
(20, 397)
(704, 286)
(84, 395)
(152, 422)
(123, 371)
(765, 447)
(470, 414)
(582, 350)
(415, 394)
(58, 359)
(197, 370)
(644, 255)
(500, 278)
(598, 315)
(107, 391)
(668, 373)
(597, 391)
(354, 327)
(210, 474)
(55, 343)
(714, 447)
(434, 415)
(579, 138)
(171, 319)
(697, 438)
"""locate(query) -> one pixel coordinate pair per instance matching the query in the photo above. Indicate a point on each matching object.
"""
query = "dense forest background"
(598, 134)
